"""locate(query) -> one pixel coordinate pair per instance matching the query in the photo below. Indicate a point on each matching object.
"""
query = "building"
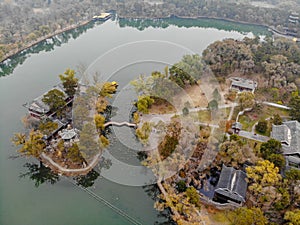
(236, 127)
(38, 109)
(231, 187)
(289, 135)
(241, 84)
(102, 17)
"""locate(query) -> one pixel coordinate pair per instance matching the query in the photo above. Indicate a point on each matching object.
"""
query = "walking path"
(90, 166)
(255, 137)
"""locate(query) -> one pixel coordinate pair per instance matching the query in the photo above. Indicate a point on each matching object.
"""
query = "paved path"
(276, 105)
(90, 166)
(255, 137)
(167, 117)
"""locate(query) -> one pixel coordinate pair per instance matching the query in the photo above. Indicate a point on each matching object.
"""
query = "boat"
(102, 17)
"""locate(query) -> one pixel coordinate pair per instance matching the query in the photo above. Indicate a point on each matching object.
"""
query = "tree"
(187, 71)
(48, 127)
(69, 81)
(213, 105)
(294, 104)
(246, 100)
(74, 154)
(216, 95)
(270, 147)
(277, 159)
(99, 121)
(185, 111)
(181, 186)
(277, 120)
(292, 217)
(193, 196)
(248, 216)
(263, 174)
(32, 146)
(144, 103)
(262, 126)
(55, 99)
(108, 89)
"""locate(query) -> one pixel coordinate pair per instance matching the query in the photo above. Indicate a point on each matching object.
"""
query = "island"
(220, 131)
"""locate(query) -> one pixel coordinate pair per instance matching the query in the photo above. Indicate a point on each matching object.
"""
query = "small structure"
(236, 127)
(231, 187)
(289, 135)
(102, 17)
(241, 84)
(38, 109)
(68, 134)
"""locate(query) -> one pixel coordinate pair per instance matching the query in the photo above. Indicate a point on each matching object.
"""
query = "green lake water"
(118, 50)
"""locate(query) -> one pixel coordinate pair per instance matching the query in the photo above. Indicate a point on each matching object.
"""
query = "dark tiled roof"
(279, 133)
(237, 125)
(244, 83)
(232, 184)
(39, 106)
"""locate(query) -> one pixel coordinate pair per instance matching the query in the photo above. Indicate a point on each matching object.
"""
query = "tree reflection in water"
(89, 179)
(40, 174)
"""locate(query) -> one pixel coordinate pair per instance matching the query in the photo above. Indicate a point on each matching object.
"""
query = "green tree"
(270, 147)
(69, 81)
(216, 95)
(213, 105)
(277, 159)
(193, 196)
(187, 71)
(247, 216)
(294, 104)
(55, 99)
(181, 186)
(262, 126)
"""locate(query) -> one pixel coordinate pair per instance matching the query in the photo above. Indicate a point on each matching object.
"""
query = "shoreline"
(198, 17)
(41, 39)
(71, 27)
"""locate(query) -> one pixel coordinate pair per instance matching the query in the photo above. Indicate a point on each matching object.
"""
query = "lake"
(116, 50)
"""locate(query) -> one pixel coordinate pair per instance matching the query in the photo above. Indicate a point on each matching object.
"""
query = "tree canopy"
(69, 81)
(55, 99)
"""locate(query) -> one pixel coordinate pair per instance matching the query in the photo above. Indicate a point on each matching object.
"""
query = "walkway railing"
(120, 124)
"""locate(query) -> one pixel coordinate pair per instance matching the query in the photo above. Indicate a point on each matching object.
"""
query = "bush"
(262, 126)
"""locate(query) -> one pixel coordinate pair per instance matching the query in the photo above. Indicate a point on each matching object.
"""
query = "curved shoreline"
(72, 27)
(70, 172)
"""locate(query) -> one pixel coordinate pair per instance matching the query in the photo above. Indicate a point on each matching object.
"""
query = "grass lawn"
(249, 119)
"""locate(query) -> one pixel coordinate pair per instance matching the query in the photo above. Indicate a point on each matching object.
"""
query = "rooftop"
(288, 131)
(232, 184)
(39, 106)
(243, 83)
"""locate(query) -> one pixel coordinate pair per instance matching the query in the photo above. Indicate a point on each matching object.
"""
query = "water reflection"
(89, 179)
(142, 24)
(40, 174)
(7, 67)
